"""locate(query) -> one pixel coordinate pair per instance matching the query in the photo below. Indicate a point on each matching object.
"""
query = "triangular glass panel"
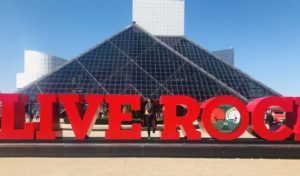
(72, 78)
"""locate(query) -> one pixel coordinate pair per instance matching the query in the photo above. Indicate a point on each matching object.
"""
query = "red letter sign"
(49, 116)
(81, 124)
(258, 108)
(297, 116)
(208, 107)
(171, 120)
(13, 118)
(116, 117)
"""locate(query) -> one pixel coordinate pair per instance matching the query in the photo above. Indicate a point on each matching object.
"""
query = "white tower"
(160, 17)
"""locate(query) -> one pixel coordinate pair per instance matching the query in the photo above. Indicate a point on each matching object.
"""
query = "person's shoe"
(154, 130)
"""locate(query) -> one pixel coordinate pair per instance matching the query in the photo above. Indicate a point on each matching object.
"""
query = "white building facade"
(160, 17)
(36, 65)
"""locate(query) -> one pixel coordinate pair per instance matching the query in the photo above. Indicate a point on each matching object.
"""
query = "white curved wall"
(36, 65)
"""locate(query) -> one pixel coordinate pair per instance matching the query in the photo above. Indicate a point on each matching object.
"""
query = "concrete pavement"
(146, 167)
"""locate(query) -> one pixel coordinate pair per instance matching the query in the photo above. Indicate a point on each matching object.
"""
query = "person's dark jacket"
(269, 119)
(149, 107)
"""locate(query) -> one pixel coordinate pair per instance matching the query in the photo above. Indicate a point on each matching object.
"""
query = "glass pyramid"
(136, 62)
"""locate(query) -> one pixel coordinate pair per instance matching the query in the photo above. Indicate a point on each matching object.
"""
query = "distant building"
(36, 65)
(226, 55)
(166, 18)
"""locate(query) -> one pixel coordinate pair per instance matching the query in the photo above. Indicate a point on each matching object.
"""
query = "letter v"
(81, 124)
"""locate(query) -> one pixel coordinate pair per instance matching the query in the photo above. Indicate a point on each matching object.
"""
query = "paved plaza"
(146, 167)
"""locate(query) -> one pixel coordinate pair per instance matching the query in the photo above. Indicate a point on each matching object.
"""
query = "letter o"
(207, 108)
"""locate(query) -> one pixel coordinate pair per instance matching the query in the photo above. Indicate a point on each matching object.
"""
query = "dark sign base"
(206, 148)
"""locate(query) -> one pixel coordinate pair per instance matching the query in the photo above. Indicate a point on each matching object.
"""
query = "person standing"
(30, 110)
(37, 115)
(270, 121)
(149, 116)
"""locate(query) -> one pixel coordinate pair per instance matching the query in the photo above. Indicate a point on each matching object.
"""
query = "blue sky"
(264, 33)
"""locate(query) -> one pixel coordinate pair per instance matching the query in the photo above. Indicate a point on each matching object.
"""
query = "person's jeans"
(149, 122)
